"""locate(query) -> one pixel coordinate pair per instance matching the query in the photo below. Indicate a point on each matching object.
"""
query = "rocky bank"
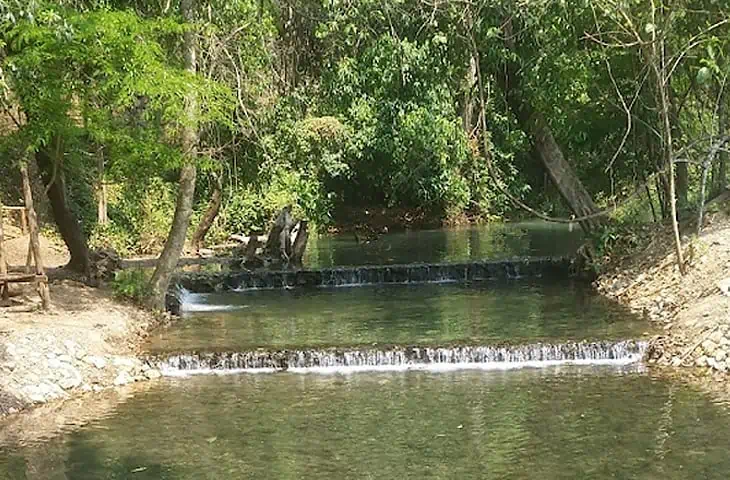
(691, 311)
(87, 343)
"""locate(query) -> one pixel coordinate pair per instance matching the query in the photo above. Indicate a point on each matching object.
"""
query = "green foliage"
(131, 284)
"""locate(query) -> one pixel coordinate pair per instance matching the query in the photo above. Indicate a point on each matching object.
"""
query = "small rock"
(54, 363)
(716, 336)
(66, 358)
(98, 362)
(123, 362)
(720, 355)
(676, 362)
(69, 382)
(701, 361)
(724, 286)
(709, 347)
(152, 374)
(12, 410)
(123, 378)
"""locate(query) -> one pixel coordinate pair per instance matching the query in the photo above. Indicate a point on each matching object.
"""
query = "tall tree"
(175, 243)
(543, 140)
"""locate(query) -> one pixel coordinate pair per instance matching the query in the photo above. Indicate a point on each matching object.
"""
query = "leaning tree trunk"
(68, 224)
(175, 243)
(209, 216)
(535, 125)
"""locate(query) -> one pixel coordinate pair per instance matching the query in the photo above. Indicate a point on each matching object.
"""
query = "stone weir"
(350, 360)
(377, 274)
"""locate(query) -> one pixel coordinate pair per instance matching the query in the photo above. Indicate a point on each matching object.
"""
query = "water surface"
(485, 242)
(532, 424)
(515, 312)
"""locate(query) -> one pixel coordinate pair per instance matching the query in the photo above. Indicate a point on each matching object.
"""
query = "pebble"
(152, 374)
(123, 378)
(123, 362)
(720, 355)
(70, 382)
(98, 362)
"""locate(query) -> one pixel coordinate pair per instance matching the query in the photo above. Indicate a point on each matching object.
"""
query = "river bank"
(88, 342)
(692, 310)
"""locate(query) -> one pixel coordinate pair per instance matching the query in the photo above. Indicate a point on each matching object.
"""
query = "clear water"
(530, 424)
(398, 314)
(495, 241)
(550, 423)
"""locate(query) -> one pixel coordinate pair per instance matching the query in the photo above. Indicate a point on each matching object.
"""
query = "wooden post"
(4, 293)
(34, 239)
(23, 222)
(29, 258)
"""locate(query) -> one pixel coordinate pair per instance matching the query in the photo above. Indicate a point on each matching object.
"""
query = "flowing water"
(550, 423)
(398, 314)
(538, 379)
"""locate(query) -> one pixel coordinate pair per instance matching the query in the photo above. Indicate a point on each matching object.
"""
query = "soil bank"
(692, 310)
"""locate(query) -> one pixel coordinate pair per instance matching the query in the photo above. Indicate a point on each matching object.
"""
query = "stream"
(533, 378)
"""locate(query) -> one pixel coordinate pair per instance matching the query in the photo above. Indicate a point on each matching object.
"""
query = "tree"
(175, 243)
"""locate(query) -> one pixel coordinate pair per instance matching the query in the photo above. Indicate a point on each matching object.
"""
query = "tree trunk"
(210, 215)
(35, 243)
(102, 218)
(719, 176)
(166, 264)
(658, 63)
(533, 123)
(278, 243)
(682, 183)
(467, 109)
(300, 243)
(68, 224)
(4, 287)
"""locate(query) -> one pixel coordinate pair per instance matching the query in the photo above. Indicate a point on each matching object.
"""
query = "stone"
(152, 374)
(98, 362)
(54, 363)
(123, 378)
(12, 410)
(709, 347)
(676, 362)
(720, 355)
(701, 361)
(66, 358)
(123, 362)
(724, 286)
(717, 336)
(71, 347)
(70, 382)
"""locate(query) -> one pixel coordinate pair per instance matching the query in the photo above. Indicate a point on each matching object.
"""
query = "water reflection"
(493, 241)
(400, 314)
(568, 423)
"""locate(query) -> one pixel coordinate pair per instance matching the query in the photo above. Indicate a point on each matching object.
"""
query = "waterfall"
(377, 274)
(396, 358)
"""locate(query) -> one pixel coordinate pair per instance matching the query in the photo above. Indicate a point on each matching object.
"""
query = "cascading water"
(486, 357)
(377, 274)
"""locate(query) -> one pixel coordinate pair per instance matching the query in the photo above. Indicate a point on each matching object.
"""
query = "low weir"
(350, 360)
(377, 274)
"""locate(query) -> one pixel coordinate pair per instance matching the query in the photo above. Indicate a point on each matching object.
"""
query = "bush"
(132, 284)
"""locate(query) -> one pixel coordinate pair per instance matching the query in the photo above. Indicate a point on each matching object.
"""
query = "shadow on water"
(493, 242)
(77, 457)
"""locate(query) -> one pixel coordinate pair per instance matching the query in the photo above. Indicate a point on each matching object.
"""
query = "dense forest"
(140, 118)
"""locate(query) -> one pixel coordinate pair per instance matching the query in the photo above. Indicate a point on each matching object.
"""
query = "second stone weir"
(562, 267)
